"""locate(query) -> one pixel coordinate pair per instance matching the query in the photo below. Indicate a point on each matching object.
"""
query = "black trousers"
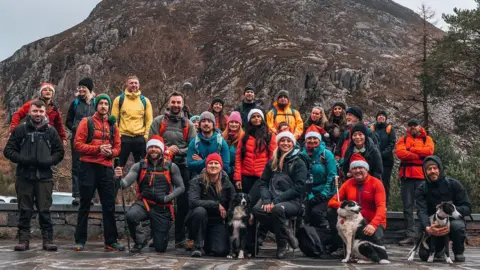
(160, 221)
(317, 214)
(93, 177)
(182, 205)
(407, 191)
(75, 171)
(386, 175)
(32, 192)
(135, 145)
(336, 241)
(457, 236)
(209, 232)
(251, 186)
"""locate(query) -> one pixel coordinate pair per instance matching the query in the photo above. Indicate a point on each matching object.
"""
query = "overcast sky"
(24, 21)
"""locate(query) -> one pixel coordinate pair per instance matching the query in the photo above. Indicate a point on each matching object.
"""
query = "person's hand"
(238, 184)
(106, 150)
(64, 143)
(118, 172)
(437, 231)
(223, 212)
(250, 220)
(173, 149)
(267, 207)
(196, 157)
(369, 230)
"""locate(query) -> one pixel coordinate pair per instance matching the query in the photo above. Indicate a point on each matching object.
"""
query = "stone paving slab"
(95, 258)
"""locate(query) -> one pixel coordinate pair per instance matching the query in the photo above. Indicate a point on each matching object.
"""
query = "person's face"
(47, 93)
(102, 107)
(196, 124)
(233, 126)
(284, 128)
(154, 152)
(82, 91)
(358, 138)
(285, 145)
(256, 119)
(381, 119)
(352, 119)
(433, 173)
(175, 104)
(282, 100)
(359, 174)
(37, 113)
(249, 95)
(313, 142)
(133, 85)
(316, 114)
(214, 167)
(414, 130)
(336, 132)
(337, 111)
(206, 126)
(217, 107)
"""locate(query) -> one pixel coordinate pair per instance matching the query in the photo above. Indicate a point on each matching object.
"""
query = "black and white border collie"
(441, 218)
(350, 227)
(237, 222)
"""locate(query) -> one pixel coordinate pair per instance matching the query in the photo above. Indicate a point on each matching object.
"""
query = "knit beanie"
(283, 93)
(359, 127)
(252, 111)
(46, 85)
(195, 118)
(207, 116)
(217, 99)
(249, 87)
(235, 116)
(356, 111)
(339, 104)
(428, 163)
(87, 82)
(413, 122)
(315, 131)
(216, 157)
(156, 140)
(286, 134)
(358, 160)
(103, 96)
(384, 113)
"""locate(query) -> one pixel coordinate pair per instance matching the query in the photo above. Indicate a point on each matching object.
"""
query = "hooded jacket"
(411, 151)
(294, 121)
(245, 108)
(323, 168)
(74, 116)
(430, 194)
(135, 119)
(207, 146)
(386, 142)
(371, 154)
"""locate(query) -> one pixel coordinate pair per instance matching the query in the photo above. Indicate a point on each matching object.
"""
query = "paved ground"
(96, 258)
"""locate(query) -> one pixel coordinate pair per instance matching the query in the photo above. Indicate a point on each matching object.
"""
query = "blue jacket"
(204, 148)
(233, 153)
(323, 172)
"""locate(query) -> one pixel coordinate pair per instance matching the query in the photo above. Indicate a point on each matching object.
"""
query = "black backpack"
(309, 242)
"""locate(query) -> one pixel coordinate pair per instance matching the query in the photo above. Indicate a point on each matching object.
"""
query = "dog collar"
(342, 221)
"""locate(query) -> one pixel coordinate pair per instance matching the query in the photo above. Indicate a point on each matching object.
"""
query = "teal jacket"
(323, 172)
(205, 146)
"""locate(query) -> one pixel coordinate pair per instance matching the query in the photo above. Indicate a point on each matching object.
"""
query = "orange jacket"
(372, 200)
(411, 152)
(293, 119)
(90, 152)
(254, 163)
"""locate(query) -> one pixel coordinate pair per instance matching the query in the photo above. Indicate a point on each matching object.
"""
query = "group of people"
(289, 168)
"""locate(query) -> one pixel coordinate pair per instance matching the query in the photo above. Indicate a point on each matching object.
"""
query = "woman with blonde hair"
(232, 134)
(318, 118)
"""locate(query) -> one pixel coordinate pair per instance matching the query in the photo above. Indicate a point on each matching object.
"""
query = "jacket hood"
(224, 179)
(171, 115)
(213, 138)
(131, 95)
(275, 104)
(422, 133)
(43, 125)
(437, 160)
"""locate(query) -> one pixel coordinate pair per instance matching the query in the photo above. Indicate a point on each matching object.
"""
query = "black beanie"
(249, 87)
(359, 127)
(217, 99)
(87, 82)
(413, 122)
(384, 113)
(356, 111)
(340, 104)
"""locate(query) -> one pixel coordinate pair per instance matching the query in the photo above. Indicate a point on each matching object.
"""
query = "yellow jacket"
(294, 120)
(135, 119)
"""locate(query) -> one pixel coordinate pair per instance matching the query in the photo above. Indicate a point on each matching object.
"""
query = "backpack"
(76, 102)
(219, 143)
(120, 104)
(31, 134)
(388, 129)
(275, 113)
(163, 127)
(309, 242)
(91, 130)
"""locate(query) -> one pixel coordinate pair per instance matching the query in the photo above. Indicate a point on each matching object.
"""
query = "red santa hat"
(46, 85)
(358, 160)
(315, 131)
(156, 140)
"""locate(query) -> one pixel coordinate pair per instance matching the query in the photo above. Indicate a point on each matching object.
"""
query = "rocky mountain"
(321, 51)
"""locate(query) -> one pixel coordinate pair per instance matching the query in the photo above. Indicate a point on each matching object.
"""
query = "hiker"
(156, 178)
(134, 115)
(323, 171)
(248, 103)
(177, 131)
(334, 135)
(283, 112)
(318, 118)
(338, 116)
(210, 195)
(82, 106)
(217, 109)
(46, 93)
(282, 186)
(439, 188)
(232, 134)
(195, 120)
(98, 141)
(387, 140)
(35, 147)
(208, 140)
(411, 149)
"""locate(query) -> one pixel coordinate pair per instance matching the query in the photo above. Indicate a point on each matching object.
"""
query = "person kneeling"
(281, 187)
(155, 177)
(210, 195)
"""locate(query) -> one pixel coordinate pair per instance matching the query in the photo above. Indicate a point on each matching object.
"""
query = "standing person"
(177, 131)
(46, 92)
(338, 116)
(283, 112)
(155, 177)
(98, 141)
(35, 147)
(387, 140)
(411, 149)
(82, 106)
(134, 115)
(317, 118)
(282, 186)
(248, 103)
(209, 140)
(195, 120)
(232, 134)
(217, 109)
(210, 195)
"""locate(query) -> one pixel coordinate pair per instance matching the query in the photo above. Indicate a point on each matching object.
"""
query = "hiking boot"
(137, 248)
(76, 201)
(459, 257)
(407, 241)
(440, 254)
(114, 247)
(281, 252)
(150, 243)
(22, 246)
(339, 253)
(198, 252)
(79, 247)
(292, 240)
(48, 245)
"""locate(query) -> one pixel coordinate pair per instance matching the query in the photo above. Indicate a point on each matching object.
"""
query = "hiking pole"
(127, 233)
(336, 185)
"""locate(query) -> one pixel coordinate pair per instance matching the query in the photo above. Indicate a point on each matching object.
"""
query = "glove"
(319, 198)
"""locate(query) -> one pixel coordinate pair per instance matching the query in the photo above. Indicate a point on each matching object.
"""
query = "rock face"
(322, 51)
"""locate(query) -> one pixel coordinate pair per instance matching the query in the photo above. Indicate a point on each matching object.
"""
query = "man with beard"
(82, 106)
(46, 92)
(35, 147)
(98, 142)
(155, 177)
(248, 103)
(177, 132)
(282, 112)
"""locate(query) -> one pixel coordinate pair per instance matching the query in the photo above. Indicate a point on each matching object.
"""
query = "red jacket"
(372, 200)
(254, 163)
(90, 152)
(411, 152)
(53, 113)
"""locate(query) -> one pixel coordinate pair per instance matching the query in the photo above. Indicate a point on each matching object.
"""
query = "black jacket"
(371, 154)
(245, 108)
(386, 142)
(35, 150)
(430, 194)
(74, 116)
(287, 185)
